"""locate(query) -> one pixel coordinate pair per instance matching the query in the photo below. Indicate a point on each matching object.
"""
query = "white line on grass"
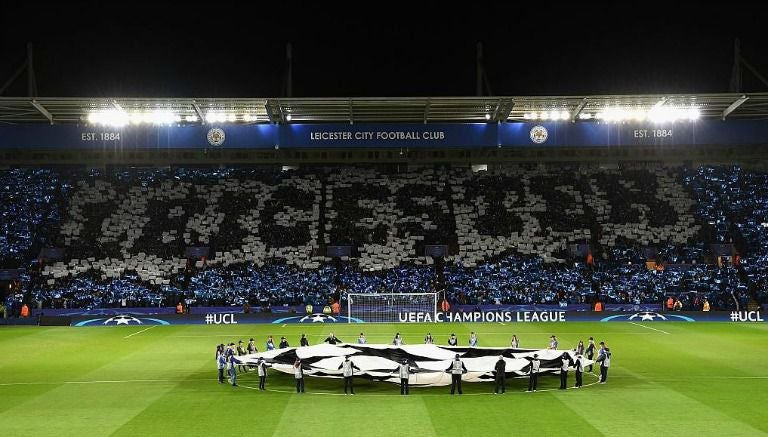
(648, 327)
(143, 330)
(284, 325)
(126, 381)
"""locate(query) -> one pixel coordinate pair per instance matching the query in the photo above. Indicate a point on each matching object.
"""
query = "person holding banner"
(348, 370)
(298, 373)
(457, 368)
(501, 375)
(533, 373)
(579, 367)
(404, 370)
(261, 368)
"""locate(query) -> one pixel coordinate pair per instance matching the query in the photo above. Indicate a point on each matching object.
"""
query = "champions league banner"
(128, 318)
(395, 135)
(429, 363)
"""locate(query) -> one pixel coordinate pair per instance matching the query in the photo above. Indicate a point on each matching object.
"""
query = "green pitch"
(666, 379)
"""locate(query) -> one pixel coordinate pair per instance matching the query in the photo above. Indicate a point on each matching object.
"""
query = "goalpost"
(392, 307)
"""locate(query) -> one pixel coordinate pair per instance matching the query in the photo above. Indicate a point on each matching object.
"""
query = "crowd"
(508, 232)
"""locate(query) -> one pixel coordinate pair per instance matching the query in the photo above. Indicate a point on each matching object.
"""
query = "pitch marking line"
(143, 330)
(648, 327)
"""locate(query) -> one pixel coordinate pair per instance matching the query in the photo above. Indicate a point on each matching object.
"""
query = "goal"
(392, 307)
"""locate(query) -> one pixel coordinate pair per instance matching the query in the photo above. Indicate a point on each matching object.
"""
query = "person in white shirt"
(361, 339)
(348, 370)
(566, 363)
(472, 340)
(553, 342)
(398, 340)
(298, 372)
(515, 343)
(404, 370)
(533, 373)
(428, 339)
(261, 368)
(457, 368)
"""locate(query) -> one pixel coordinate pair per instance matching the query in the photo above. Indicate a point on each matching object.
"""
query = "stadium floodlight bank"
(391, 307)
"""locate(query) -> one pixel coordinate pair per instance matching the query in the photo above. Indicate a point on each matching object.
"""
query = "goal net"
(392, 307)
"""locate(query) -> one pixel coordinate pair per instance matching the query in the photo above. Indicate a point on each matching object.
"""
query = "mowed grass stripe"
(393, 416)
(200, 407)
(53, 354)
(91, 409)
(669, 404)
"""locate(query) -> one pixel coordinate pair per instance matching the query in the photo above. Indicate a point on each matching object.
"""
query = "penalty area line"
(648, 327)
(143, 330)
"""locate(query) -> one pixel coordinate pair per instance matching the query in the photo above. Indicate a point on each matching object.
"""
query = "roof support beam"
(506, 109)
(43, 111)
(117, 106)
(268, 110)
(426, 110)
(495, 115)
(351, 113)
(732, 107)
(578, 109)
(199, 112)
(280, 112)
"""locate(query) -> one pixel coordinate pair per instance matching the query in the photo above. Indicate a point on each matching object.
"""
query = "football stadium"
(339, 265)
(144, 249)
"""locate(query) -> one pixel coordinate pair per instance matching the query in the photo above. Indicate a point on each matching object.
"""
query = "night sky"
(217, 49)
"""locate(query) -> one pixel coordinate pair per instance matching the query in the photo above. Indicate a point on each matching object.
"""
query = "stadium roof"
(20, 110)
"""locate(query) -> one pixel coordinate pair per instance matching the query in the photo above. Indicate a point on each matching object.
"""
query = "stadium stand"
(508, 230)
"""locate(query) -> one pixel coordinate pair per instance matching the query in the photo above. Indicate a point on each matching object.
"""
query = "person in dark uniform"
(221, 362)
(452, 340)
(566, 362)
(348, 370)
(501, 376)
(533, 373)
(579, 368)
(304, 341)
(261, 368)
(298, 373)
(332, 339)
(590, 352)
(579, 348)
(241, 351)
(457, 368)
(283, 343)
(251, 348)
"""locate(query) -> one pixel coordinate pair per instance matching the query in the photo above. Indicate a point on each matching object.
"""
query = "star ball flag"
(429, 362)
